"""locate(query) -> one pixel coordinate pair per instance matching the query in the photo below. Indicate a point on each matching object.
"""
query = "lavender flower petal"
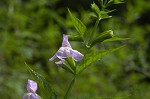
(31, 86)
(63, 52)
(77, 56)
(65, 42)
(30, 96)
(34, 96)
(51, 59)
(60, 62)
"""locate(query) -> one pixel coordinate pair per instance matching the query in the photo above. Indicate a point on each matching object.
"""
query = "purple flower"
(65, 51)
(31, 88)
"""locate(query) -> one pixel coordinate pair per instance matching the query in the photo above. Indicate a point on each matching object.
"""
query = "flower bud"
(103, 36)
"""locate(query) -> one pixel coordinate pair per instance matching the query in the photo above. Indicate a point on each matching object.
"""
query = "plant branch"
(70, 87)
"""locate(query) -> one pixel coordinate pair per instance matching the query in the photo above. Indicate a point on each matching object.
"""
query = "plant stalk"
(69, 88)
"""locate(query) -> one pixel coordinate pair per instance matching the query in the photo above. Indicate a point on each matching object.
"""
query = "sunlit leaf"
(111, 2)
(80, 27)
(95, 9)
(93, 57)
(100, 14)
(104, 15)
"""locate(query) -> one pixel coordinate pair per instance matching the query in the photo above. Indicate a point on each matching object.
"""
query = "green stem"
(70, 87)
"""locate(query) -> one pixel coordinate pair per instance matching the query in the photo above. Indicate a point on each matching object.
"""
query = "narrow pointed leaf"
(95, 9)
(47, 89)
(111, 2)
(80, 27)
(115, 39)
(93, 57)
(75, 38)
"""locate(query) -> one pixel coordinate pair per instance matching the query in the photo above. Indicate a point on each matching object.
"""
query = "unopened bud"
(103, 36)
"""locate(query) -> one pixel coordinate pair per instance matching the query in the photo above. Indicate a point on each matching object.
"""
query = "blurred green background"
(31, 31)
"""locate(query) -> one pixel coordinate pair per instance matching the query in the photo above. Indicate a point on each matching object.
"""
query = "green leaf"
(95, 9)
(102, 36)
(104, 15)
(80, 27)
(75, 38)
(100, 14)
(93, 15)
(47, 89)
(111, 2)
(115, 39)
(118, 1)
(93, 57)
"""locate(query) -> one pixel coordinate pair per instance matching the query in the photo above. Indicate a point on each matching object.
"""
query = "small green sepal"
(67, 67)
(71, 63)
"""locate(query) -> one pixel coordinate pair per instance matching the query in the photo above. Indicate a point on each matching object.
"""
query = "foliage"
(31, 31)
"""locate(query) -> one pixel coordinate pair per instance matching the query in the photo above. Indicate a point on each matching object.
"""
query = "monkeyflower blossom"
(66, 51)
(31, 88)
